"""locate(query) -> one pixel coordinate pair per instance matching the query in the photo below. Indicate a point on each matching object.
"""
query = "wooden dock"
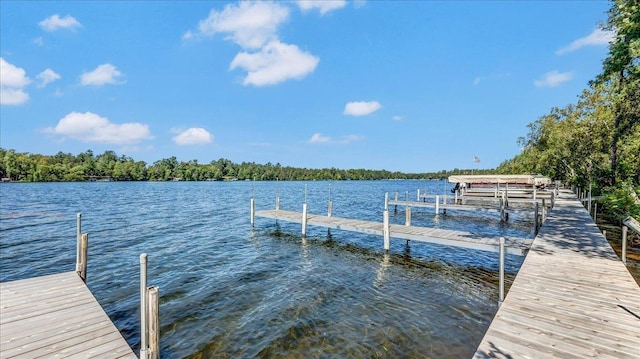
(572, 298)
(56, 316)
(517, 246)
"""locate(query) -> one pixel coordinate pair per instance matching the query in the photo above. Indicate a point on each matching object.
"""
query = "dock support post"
(456, 197)
(395, 206)
(144, 354)
(253, 211)
(330, 205)
(385, 224)
(595, 212)
(506, 195)
(553, 199)
(304, 219)
(624, 244)
(534, 193)
(81, 260)
(501, 284)
(418, 199)
(589, 205)
(153, 327)
(544, 211)
(277, 203)
(502, 217)
(535, 218)
(78, 237)
(437, 205)
(407, 221)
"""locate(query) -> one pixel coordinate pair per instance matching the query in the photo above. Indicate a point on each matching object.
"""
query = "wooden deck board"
(517, 246)
(56, 315)
(571, 298)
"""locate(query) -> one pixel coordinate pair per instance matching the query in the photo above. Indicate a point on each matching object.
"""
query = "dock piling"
(153, 325)
(253, 211)
(143, 307)
(501, 273)
(81, 260)
(624, 244)
(536, 224)
(437, 205)
(385, 224)
(304, 219)
(544, 210)
(330, 204)
(407, 221)
(78, 237)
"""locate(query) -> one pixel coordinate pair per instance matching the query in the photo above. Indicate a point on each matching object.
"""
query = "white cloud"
(47, 76)
(55, 22)
(361, 108)
(89, 127)
(350, 138)
(103, 74)
(193, 136)
(249, 24)
(12, 81)
(397, 118)
(274, 63)
(324, 6)
(553, 79)
(319, 138)
(597, 37)
(187, 36)
(38, 41)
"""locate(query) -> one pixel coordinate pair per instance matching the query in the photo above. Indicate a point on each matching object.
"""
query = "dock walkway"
(572, 298)
(513, 245)
(56, 316)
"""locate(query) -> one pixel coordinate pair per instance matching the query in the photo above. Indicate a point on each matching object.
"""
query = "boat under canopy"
(531, 180)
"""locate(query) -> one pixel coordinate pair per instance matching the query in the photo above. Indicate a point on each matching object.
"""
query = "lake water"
(230, 290)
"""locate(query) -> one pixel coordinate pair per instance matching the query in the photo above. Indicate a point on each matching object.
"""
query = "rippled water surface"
(230, 290)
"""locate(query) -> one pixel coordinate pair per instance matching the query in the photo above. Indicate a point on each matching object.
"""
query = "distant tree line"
(86, 166)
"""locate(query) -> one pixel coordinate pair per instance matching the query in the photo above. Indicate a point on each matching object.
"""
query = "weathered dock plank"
(517, 246)
(56, 316)
(572, 297)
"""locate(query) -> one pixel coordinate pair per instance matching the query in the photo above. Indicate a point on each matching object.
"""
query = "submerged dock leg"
(437, 205)
(407, 221)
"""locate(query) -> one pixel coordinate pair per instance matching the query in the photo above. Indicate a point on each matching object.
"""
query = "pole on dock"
(277, 197)
(595, 212)
(589, 205)
(544, 211)
(153, 325)
(330, 205)
(143, 307)
(501, 284)
(437, 205)
(395, 206)
(304, 212)
(534, 193)
(536, 225)
(418, 199)
(407, 221)
(553, 199)
(624, 244)
(81, 260)
(502, 218)
(385, 222)
(506, 195)
(78, 237)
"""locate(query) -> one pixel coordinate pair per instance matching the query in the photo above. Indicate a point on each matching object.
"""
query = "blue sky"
(410, 86)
